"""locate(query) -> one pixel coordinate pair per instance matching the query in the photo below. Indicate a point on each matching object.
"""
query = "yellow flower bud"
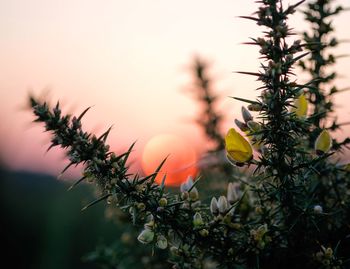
(323, 143)
(301, 105)
(237, 147)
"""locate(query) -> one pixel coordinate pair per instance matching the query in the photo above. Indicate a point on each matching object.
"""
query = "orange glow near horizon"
(181, 161)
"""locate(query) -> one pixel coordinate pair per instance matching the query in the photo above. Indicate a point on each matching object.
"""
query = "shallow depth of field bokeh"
(130, 60)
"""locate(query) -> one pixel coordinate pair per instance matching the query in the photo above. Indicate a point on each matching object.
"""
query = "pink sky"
(130, 60)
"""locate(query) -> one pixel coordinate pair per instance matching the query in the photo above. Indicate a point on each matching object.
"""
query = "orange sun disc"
(180, 164)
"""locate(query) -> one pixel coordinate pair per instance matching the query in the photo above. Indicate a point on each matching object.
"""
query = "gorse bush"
(291, 207)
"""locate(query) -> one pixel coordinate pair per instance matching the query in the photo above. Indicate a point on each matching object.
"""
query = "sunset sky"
(130, 61)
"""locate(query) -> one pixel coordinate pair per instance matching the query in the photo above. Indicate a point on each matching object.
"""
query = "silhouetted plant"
(320, 41)
(209, 119)
(277, 215)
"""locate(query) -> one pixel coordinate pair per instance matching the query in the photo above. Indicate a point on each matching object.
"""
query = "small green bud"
(236, 226)
(146, 236)
(184, 195)
(197, 220)
(328, 253)
(115, 165)
(204, 232)
(141, 206)
(112, 199)
(258, 210)
(230, 251)
(140, 187)
(174, 250)
(255, 107)
(90, 179)
(163, 201)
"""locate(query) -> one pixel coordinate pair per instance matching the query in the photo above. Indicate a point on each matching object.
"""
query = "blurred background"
(133, 62)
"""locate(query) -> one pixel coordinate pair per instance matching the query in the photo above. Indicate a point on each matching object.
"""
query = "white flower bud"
(189, 182)
(254, 126)
(318, 209)
(241, 125)
(233, 192)
(162, 242)
(214, 209)
(222, 204)
(246, 115)
(185, 186)
(163, 201)
(194, 195)
(146, 236)
(149, 225)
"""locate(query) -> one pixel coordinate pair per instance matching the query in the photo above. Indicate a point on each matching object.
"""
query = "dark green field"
(42, 225)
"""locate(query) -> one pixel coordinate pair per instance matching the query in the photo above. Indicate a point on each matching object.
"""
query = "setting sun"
(180, 164)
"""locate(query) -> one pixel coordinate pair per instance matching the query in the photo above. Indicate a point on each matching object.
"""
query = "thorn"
(64, 170)
(96, 201)
(83, 113)
(249, 73)
(76, 183)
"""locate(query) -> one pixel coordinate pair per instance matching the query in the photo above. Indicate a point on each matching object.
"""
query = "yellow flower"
(323, 142)
(301, 105)
(237, 147)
